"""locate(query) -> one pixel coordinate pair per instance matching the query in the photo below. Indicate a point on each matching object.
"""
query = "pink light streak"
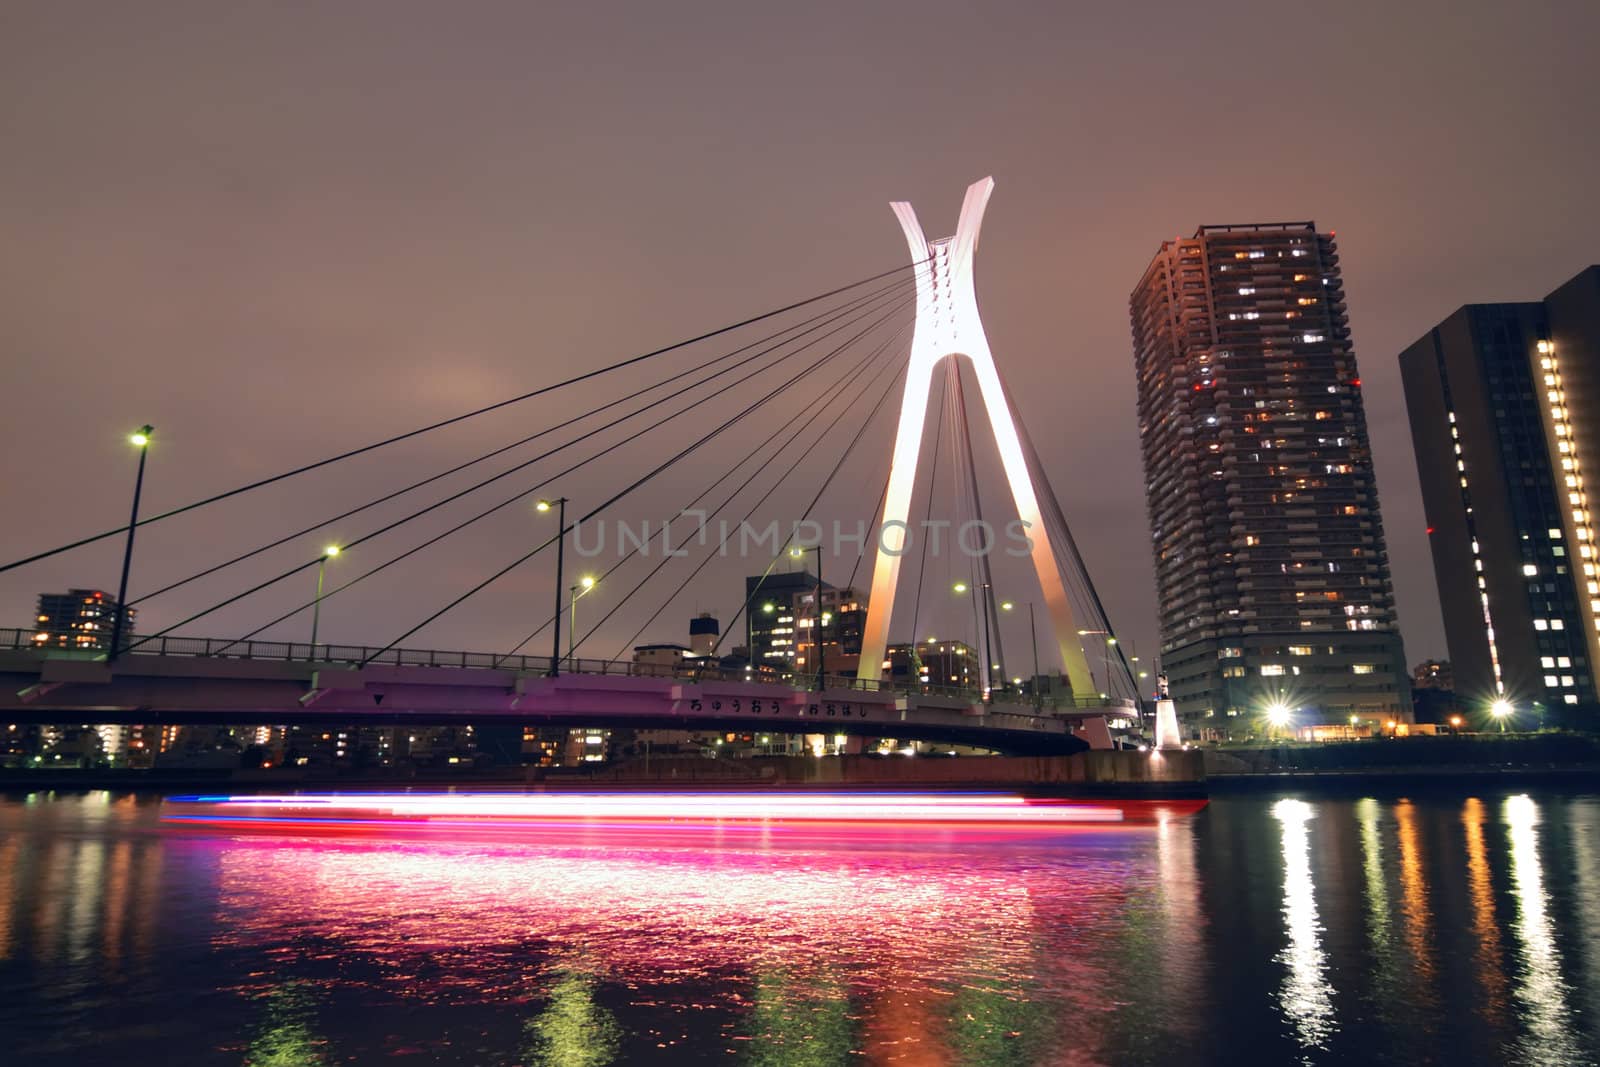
(438, 810)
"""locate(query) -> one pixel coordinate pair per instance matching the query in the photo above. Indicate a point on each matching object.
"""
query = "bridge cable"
(681, 454)
(119, 530)
(994, 649)
(829, 316)
(837, 387)
(504, 503)
(927, 517)
(1055, 514)
(804, 455)
(854, 441)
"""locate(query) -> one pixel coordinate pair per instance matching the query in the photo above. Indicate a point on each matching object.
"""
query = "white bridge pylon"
(948, 325)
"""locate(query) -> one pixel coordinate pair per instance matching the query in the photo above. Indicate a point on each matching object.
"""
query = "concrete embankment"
(1469, 760)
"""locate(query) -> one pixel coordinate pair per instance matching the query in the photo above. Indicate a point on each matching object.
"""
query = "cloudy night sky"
(280, 230)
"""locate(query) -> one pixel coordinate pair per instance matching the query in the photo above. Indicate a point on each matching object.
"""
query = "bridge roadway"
(197, 680)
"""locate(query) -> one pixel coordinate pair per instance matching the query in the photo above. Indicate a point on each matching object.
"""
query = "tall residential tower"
(1504, 401)
(1275, 597)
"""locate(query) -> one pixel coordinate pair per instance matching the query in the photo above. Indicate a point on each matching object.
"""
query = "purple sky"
(279, 230)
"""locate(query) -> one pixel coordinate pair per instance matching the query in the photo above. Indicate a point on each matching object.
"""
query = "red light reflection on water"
(906, 928)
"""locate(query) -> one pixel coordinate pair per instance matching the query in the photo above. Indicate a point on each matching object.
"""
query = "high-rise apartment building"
(1271, 568)
(80, 619)
(1504, 402)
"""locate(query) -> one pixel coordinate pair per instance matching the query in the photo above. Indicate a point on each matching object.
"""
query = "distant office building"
(1504, 401)
(1433, 674)
(1271, 566)
(934, 663)
(79, 618)
(783, 623)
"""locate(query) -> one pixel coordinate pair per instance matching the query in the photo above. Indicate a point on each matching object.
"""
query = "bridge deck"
(212, 680)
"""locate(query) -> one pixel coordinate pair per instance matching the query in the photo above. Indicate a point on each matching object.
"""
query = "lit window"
(1361, 668)
(1271, 670)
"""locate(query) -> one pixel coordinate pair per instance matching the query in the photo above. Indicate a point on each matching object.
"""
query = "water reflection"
(287, 1037)
(1307, 995)
(1414, 896)
(1488, 962)
(573, 1030)
(1435, 928)
(1540, 987)
(1377, 890)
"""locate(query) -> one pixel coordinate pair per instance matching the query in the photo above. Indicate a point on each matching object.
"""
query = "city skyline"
(216, 272)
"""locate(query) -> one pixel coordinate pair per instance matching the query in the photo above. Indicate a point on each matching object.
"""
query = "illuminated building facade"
(79, 618)
(935, 663)
(783, 623)
(1271, 566)
(1503, 401)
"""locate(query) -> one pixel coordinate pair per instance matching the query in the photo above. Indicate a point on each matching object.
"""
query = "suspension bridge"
(821, 370)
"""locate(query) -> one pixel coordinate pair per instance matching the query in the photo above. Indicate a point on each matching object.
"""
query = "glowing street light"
(584, 586)
(959, 587)
(141, 440)
(560, 506)
(1501, 709)
(316, 605)
(822, 619)
(1279, 714)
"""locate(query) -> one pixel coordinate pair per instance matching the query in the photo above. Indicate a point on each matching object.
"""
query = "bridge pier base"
(1094, 730)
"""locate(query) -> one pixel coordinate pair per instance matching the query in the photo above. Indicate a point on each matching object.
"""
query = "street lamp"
(1279, 714)
(1501, 709)
(1033, 636)
(585, 584)
(560, 504)
(989, 662)
(799, 553)
(141, 440)
(1110, 640)
(316, 605)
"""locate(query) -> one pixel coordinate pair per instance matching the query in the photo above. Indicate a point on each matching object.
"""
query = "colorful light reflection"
(479, 811)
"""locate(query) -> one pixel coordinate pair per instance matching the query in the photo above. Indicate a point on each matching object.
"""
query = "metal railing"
(22, 640)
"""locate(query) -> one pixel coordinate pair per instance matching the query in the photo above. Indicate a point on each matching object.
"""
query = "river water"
(1264, 929)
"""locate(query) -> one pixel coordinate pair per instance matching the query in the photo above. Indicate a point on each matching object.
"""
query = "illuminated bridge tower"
(947, 326)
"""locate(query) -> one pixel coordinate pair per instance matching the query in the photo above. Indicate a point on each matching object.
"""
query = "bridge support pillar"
(948, 325)
(1167, 733)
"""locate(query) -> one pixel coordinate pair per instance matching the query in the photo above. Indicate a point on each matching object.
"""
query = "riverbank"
(1409, 763)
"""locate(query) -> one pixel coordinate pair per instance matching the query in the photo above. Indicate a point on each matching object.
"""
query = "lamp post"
(141, 441)
(1033, 637)
(1110, 640)
(799, 553)
(983, 671)
(560, 504)
(316, 605)
(585, 584)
